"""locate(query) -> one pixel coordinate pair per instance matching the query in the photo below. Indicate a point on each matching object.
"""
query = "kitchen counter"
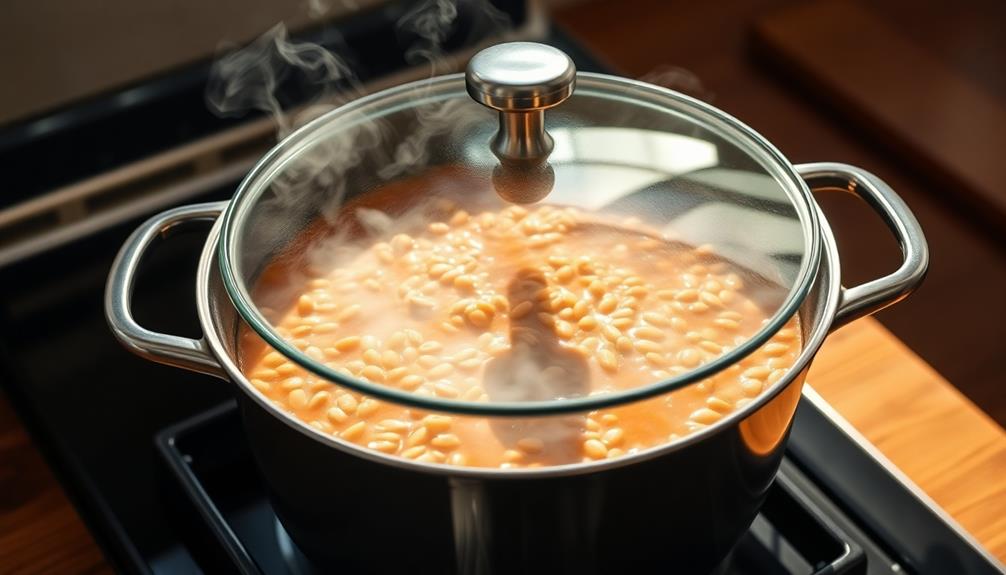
(40, 532)
(939, 439)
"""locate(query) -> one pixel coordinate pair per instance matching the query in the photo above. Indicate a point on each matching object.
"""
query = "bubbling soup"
(518, 304)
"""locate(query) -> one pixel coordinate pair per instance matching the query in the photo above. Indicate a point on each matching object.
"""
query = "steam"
(362, 154)
(432, 22)
(250, 79)
(452, 118)
(254, 77)
(680, 80)
(319, 8)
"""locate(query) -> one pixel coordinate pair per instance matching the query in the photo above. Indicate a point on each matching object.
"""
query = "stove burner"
(833, 510)
(798, 531)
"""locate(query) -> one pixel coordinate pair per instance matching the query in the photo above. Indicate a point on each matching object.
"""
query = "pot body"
(685, 507)
(683, 504)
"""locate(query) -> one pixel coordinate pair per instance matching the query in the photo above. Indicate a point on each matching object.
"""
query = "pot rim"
(824, 318)
(360, 110)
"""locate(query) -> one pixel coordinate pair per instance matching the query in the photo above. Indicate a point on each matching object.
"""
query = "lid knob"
(521, 80)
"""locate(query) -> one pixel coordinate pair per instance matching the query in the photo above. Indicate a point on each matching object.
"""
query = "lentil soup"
(517, 304)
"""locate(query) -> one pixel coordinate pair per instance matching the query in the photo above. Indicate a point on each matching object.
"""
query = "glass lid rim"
(235, 216)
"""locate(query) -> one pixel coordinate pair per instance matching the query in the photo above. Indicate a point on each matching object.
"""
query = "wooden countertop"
(936, 436)
(946, 445)
(40, 532)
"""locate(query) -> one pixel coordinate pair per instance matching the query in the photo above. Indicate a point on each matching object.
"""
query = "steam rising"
(678, 79)
(253, 78)
(256, 77)
(432, 22)
(363, 154)
(249, 79)
(319, 8)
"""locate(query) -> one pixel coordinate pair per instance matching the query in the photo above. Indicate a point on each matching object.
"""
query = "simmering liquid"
(519, 305)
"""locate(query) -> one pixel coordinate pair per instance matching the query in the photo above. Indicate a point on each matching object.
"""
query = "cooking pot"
(684, 503)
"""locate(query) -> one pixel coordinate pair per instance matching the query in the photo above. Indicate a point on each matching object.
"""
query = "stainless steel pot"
(358, 510)
(613, 145)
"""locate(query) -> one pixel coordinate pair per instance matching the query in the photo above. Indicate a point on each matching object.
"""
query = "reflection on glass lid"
(674, 243)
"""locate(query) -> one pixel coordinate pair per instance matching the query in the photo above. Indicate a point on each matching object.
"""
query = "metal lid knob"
(520, 76)
(521, 80)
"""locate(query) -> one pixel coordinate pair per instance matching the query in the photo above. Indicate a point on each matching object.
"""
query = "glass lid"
(521, 239)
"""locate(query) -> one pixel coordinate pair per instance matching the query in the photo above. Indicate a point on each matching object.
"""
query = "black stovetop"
(810, 523)
(195, 503)
(235, 530)
(800, 529)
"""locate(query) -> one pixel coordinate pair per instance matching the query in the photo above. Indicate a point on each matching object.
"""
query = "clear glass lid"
(508, 244)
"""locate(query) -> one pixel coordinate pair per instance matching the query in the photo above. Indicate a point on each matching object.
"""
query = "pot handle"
(875, 295)
(192, 354)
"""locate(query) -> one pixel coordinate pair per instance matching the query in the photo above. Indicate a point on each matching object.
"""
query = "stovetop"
(236, 530)
(800, 530)
(195, 503)
(856, 518)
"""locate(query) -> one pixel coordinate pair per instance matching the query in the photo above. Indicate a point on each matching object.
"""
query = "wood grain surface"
(39, 530)
(936, 436)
